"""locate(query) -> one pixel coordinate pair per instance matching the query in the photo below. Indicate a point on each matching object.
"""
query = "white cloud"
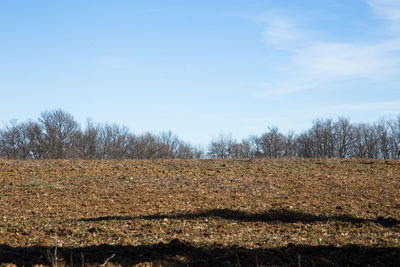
(388, 10)
(313, 63)
(321, 64)
(340, 60)
(281, 32)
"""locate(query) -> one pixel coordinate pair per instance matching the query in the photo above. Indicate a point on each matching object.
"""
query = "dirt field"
(200, 212)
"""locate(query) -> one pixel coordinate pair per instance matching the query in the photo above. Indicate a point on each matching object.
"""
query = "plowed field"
(200, 212)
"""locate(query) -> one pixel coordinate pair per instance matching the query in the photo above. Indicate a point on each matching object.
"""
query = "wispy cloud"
(314, 63)
(388, 10)
(281, 32)
(341, 60)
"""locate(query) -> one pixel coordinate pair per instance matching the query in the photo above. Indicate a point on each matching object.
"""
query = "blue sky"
(201, 68)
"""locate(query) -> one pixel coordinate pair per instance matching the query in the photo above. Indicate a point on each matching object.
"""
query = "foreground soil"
(200, 213)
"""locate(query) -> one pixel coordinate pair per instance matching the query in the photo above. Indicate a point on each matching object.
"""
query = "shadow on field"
(177, 253)
(282, 215)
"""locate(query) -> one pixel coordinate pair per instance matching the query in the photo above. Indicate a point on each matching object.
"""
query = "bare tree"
(59, 129)
(145, 146)
(395, 138)
(290, 145)
(382, 130)
(57, 135)
(323, 139)
(21, 140)
(12, 141)
(235, 150)
(224, 146)
(305, 145)
(113, 140)
(366, 141)
(220, 147)
(272, 143)
(187, 151)
(344, 138)
(88, 142)
(251, 147)
(34, 139)
(197, 152)
(169, 145)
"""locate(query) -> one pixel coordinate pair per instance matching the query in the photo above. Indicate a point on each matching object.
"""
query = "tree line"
(326, 138)
(57, 135)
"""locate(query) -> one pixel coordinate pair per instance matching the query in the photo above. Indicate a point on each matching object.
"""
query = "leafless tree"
(290, 149)
(272, 143)
(187, 151)
(113, 141)
(59, 129)
(169, 144)
(220, 146)
(344, 138)
(305, 145)
(224, 146)
(395, 138)
(235, 150)
(145, 146)
(21, 140)
(197, 152)
(34, 139)
(382, 130)
(250, 144)
(323, 139)
(12, 141)
(57, 135)
(88, 143)
(366, 143)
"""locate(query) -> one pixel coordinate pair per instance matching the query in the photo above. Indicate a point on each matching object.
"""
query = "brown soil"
(200, 212)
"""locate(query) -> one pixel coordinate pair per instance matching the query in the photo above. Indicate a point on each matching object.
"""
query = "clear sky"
(200, 68)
